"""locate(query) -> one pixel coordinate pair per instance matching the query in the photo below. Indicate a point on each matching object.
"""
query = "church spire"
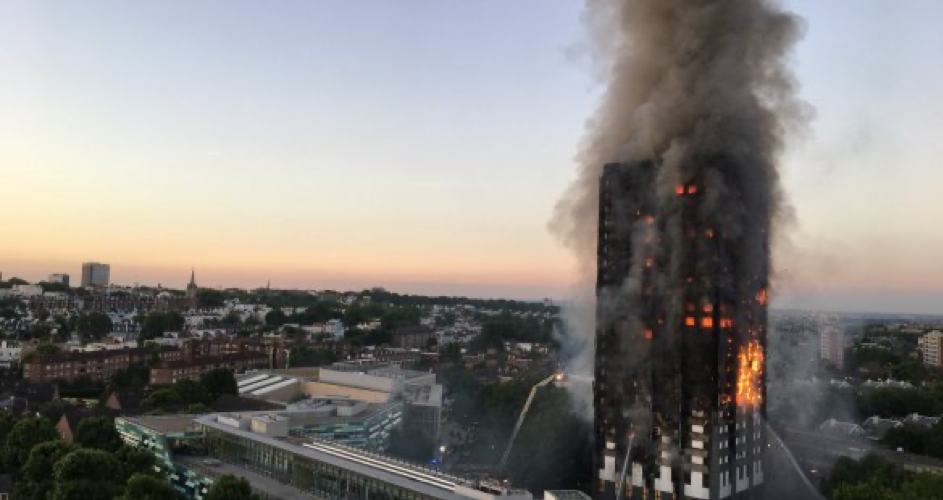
(192, 289)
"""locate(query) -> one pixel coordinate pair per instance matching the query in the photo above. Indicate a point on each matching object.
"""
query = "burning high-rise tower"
(697, 105)
(681, 312)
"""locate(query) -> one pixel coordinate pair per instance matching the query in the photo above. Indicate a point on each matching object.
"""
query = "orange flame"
(762, 297)
(750, 375)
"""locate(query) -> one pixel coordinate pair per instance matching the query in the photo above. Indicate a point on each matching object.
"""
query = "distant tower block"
(95, 274)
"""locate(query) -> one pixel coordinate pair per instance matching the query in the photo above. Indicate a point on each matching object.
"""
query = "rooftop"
(414, 477)
(165, 423)
(376, 369)
(211, 360)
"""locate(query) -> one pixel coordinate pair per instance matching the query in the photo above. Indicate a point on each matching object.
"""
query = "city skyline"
(268, 155)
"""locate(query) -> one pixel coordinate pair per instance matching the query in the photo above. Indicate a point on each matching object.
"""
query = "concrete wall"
(360, 380)
(322, 389)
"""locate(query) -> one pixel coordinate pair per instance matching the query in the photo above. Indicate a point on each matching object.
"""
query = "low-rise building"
(878, 427)
(844, 429)
(27, 291)
(345, 421)
(96, 365)
(920, 420)
(170, 372)
(60, 278)
(10, 352)
(194, 452)
(412, 337)
(54, 302)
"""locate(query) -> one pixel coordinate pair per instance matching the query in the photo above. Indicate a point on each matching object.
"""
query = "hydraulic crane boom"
(520, 419)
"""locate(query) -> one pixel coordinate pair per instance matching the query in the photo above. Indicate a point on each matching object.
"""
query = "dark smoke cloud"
(684, 79)
(687, 80)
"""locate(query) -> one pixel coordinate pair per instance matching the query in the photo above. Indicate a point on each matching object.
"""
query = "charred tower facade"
(679, 389)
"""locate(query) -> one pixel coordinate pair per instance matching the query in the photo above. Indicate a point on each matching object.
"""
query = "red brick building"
(273, 348)
(412, 337)
(96, 365)
(170, 372)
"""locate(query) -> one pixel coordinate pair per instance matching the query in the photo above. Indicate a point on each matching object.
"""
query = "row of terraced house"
(167, 364)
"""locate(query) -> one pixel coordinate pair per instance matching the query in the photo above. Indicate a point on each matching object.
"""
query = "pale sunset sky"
(420, 145)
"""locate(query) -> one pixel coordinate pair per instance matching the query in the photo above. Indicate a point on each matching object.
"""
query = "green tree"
(54, 287)
(232, 319)
(229, 487)
(451, 353)
(894, 402)
(163, 399)
(910, 438)
(192, 392)
(538, 463)
(7, 421)
(42, 351)
(508, 327)
(87, 475)
(98, 433)
(26, 434)
(320, 312)
(54, 410)
(142, 487)
(135, 461)
(157, 323)
(306, 356)
(400, 316)
(210, 299)
(93, 326)
(133, 378)
(276, 317)
(923, 486)
(33, 483)
(220, 381)
(872, 469)
(871, 490)
(198, 408)
(912, 371)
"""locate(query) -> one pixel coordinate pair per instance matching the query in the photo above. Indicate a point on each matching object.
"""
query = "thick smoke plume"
(687, 82)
